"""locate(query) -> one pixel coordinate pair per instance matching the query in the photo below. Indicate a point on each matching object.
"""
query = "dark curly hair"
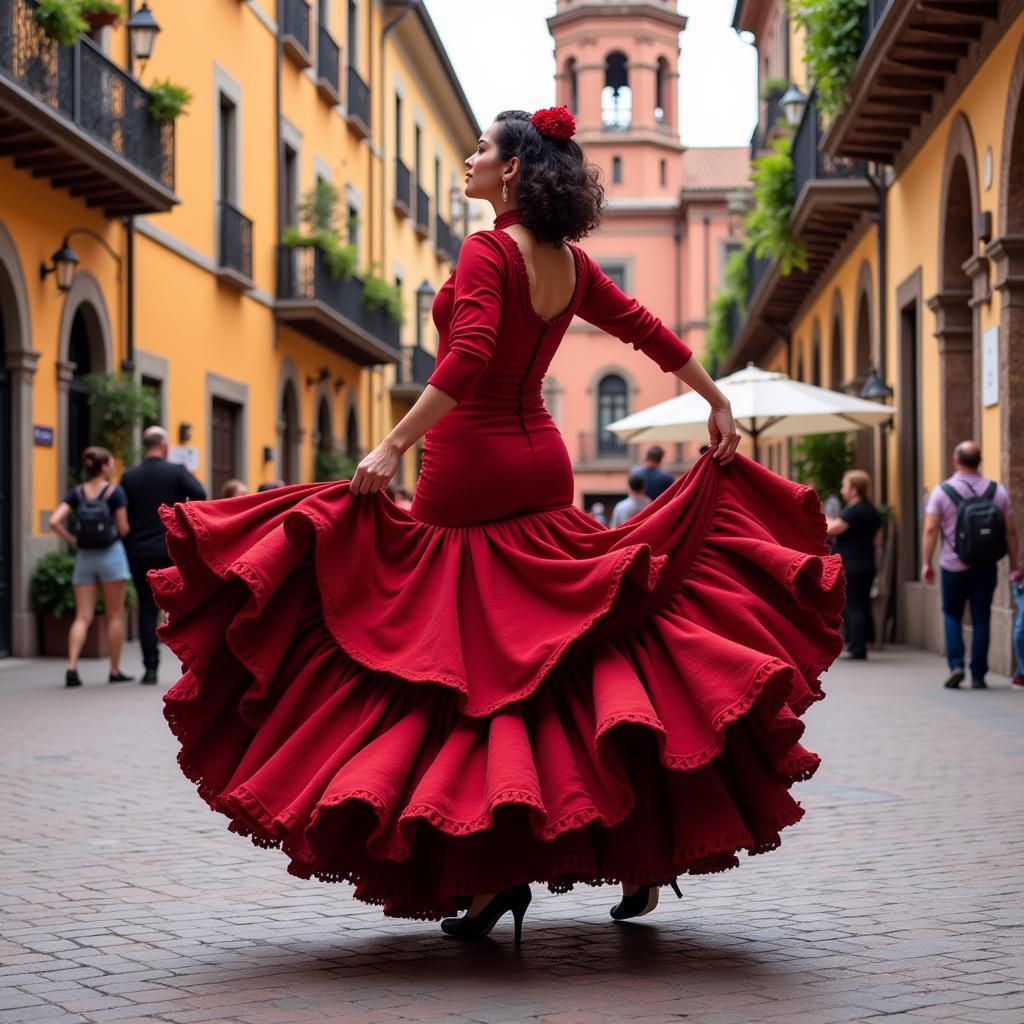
(560, 192)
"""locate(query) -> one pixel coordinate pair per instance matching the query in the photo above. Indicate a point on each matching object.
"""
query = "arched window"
(289, 434)
(616, 170)
(661, 92)
(572, 84)
(836, 361)
(612, 405)
(352, 434)
(79, 418)
(616, 96)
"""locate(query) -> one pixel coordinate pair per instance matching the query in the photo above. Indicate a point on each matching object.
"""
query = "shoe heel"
(675, 888)
(519, 913)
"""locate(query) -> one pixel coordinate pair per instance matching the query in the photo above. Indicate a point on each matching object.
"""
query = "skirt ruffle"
(430, 712)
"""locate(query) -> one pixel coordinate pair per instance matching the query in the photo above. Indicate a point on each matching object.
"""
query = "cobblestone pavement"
(122, 898)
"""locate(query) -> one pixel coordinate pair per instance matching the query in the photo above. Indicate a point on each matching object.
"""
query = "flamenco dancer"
(445, 704)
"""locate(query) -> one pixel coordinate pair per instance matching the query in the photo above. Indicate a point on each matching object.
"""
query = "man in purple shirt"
(962, 584)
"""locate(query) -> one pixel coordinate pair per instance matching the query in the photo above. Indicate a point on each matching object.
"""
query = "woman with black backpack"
(101, 520)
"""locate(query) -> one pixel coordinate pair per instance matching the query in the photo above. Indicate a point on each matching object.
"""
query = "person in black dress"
(857, 533)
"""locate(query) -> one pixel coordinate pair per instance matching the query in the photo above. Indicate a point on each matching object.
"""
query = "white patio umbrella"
(766, 406)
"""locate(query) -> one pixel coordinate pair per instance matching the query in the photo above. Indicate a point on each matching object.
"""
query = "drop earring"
(504, 191)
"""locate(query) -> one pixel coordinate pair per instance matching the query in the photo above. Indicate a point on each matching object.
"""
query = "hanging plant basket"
(100, 20)
(101, 13)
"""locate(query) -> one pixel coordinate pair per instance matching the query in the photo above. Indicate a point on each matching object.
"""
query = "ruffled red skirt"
(433, 711)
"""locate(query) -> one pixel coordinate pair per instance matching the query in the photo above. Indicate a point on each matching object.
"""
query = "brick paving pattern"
(122, 898)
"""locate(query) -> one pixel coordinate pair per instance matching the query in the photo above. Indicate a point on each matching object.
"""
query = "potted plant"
(381, 294)
(122, 405)
(100, 13)
(53, 597)
(167, 101)
(318, 215)
(61, 20)
(329, 464)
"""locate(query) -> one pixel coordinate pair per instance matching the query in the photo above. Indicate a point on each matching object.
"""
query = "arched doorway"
(352, 434)
(863, 440)
(6, 501)
(289, 433)
(324, 438)
(954, 318)
(571, 79)
(816, 355)
(86, 354)
(836, 371)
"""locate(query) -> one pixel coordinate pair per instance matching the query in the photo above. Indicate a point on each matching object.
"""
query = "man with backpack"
(972, 515)
(152, 483)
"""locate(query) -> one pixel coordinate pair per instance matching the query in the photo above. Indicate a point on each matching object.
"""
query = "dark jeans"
(973, 587)
(857, 613)
(147, 607)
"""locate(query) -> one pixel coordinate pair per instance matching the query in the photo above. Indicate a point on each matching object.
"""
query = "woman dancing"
(445, 704)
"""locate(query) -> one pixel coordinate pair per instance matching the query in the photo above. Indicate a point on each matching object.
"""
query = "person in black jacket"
(150, 484)
(858, 536)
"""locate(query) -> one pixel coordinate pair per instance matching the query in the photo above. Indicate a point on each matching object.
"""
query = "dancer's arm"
(374, 471)
(725, 438)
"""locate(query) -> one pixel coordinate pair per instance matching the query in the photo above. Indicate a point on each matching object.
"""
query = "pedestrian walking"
(857, 534)
(636, 500)
(447, 704)
(101, 565)
(153, 483)
(971, 515)
(598, 513)
(656, 480)
(234, 488)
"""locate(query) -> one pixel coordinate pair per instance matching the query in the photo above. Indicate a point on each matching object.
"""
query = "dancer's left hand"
(725, 438)
(376, 469)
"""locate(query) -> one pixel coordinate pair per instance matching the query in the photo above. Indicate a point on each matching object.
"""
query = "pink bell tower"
(664, 237)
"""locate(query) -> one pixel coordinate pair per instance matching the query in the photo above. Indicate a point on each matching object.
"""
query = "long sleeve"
(479, 284)
(609, 309)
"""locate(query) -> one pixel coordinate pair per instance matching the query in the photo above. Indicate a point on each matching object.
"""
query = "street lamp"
(424, 303)
(142, 31)
(793, 103)
(875, 389)
(65, 259)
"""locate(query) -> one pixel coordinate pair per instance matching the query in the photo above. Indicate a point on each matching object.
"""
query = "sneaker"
(978, 683)
(1017, 682)
(149, 677)
(71, 678)
(956, 677)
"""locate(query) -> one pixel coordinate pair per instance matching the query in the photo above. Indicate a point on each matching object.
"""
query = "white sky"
(503, 54)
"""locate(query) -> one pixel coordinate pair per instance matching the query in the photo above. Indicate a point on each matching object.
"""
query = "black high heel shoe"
(643, 901)
(516, 899)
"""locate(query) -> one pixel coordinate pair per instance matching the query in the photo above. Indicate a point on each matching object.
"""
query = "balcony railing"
(413, 371)
(62, 101)
(443, 238)
(295, 30)
(328, 65)
(870, 16)
(332, 311)
(403, 187)
(809, 162)
(595, 449)
(358, 102)
(422, 212)
(757, 270)
(235, 253)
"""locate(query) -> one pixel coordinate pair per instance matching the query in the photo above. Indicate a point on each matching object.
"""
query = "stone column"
(21, 365)
(955, 332)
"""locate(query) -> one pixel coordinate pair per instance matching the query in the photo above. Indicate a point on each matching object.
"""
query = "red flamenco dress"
(493, 688)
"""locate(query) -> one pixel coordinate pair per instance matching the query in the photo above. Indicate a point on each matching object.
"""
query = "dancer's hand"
(725, 438)
(376, 469)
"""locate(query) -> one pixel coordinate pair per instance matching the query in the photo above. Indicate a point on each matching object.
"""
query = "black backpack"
(980, 539)
(94, 521)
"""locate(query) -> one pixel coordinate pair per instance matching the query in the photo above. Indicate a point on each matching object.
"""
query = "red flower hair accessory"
(554, 122)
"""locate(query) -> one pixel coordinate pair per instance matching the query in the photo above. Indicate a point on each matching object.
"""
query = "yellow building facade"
(266, 366)
(909, 203)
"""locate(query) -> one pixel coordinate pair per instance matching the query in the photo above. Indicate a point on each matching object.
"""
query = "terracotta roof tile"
(716, 167)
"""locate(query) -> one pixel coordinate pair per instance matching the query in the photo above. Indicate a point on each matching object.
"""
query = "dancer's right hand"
(725, 438)
(376, 469)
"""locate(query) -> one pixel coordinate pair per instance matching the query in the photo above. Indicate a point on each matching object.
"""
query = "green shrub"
(768, 228)
(381, 294)
(123, 405)
(821, 460)
(319, 217)
(332, 465)
(831, 47)
(168, 101)
(61, 20)
(52, 589)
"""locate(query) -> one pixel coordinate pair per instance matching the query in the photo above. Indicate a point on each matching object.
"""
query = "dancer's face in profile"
(486, 171)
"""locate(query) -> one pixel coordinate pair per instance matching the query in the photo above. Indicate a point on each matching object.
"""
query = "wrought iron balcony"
(422, 213)
(358, 104)
(443, 243)
(69, 114)
(332, 312)
(413, 372)
(295, 31)
(809, 162)
(328, 66)
(403, 188)
(604, 452)
(234, 259)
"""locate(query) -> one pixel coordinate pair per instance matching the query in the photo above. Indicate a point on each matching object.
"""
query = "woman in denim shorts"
(97, 568)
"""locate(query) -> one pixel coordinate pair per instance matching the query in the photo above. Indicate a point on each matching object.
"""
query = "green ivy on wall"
(832, 46)
(768, 228)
